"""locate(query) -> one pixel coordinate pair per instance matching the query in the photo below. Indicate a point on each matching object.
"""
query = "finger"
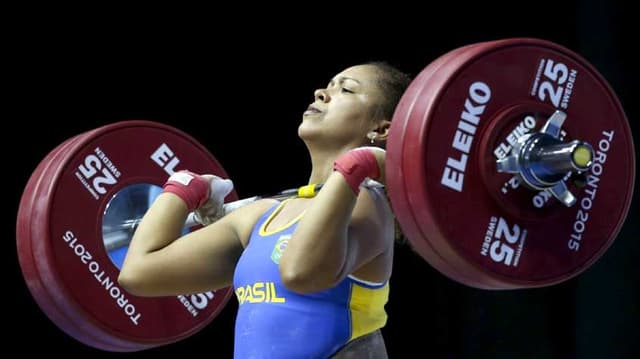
(220, 188)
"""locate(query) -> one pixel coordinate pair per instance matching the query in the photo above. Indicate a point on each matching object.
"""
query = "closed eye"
(346, 90)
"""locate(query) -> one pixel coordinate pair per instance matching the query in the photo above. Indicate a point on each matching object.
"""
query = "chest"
(288, 212)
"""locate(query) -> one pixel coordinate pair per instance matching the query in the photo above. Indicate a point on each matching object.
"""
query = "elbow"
(132, 283)
(304, 281)
(294, 281)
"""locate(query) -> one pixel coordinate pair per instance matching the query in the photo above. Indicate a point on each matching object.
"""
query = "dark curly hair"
(393, 83)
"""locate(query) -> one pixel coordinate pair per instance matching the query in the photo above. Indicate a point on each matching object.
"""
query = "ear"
(382, 130)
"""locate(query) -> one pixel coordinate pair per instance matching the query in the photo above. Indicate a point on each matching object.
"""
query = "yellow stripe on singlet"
(367, 309)
(265, 224)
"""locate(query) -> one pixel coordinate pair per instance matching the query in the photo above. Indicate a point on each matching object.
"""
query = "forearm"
(161, 225)
(319, 246)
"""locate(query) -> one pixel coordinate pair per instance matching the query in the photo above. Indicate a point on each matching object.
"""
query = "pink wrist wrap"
(356, 165)
(193, 189)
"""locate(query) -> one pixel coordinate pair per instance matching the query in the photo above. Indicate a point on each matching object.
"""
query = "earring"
(372, 136)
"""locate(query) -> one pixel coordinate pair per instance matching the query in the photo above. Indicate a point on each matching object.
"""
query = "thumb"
(220, 188)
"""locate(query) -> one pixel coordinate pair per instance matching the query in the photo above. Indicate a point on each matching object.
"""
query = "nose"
(322, 95)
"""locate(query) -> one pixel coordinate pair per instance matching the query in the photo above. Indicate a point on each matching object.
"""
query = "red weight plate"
(74, 262)
(511, 238)
(414, 165)
(26, 259)
(71, 319)
(399, 194)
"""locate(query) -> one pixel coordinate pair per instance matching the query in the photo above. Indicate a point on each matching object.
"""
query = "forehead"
(367, 75)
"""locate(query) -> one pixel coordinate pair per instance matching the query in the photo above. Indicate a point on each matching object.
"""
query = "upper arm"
(201, 260)
(370, 231)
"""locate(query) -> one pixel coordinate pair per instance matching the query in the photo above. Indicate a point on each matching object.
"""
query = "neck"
(322, 162)
(321, 167)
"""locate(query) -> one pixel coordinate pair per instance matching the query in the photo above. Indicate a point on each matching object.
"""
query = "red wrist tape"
(193, 189)
(356, 165)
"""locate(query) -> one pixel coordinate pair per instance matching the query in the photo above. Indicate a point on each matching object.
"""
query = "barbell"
(510, 164)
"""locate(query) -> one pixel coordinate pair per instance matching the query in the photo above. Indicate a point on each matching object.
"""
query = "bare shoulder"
(244, 218)
(372, 231)
(373, 218)
(374, 205)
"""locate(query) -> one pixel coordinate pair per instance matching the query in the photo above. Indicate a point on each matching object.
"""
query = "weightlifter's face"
(343, 112)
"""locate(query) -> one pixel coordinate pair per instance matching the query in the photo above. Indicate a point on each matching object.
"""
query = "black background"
(239, 83)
